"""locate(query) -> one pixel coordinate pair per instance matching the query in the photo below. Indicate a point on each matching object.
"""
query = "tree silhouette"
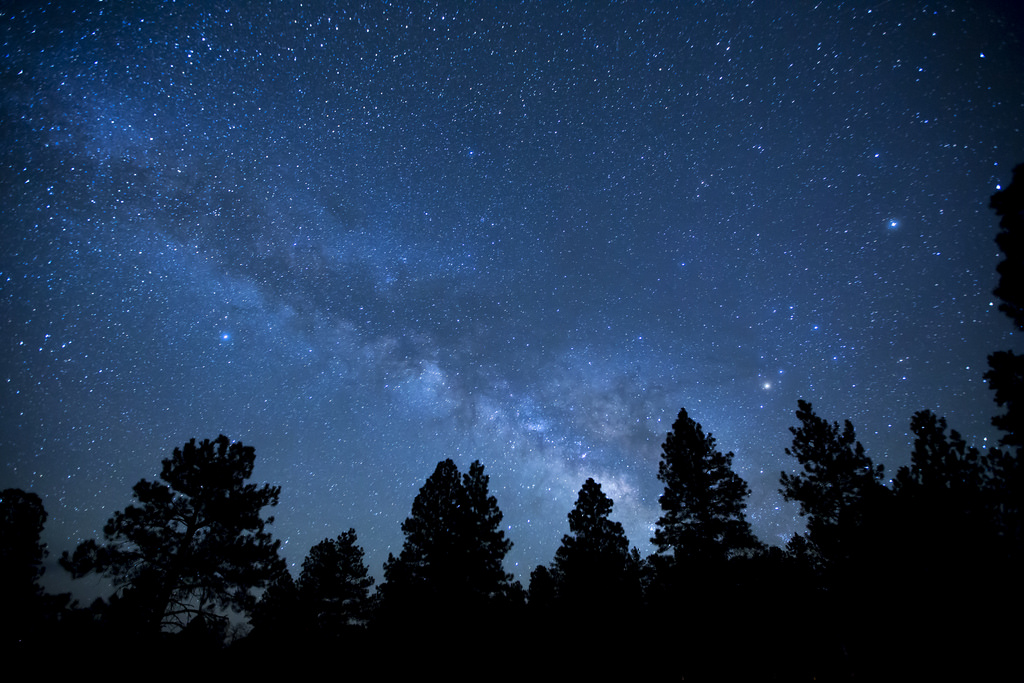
(542, 593)
(453, 550)
(1004, 474)
(940, 540)
(28, 609)
(426, 563)
(1006, 373)
(703, 503)
(840, 492)
(593, 558)
(277, 615)
(941, 464)
(192, 547)
(837, 487)
(485, 540)
(1009, 205)
(333, 587)
(939, 518)
(592, 585)
(22, 517)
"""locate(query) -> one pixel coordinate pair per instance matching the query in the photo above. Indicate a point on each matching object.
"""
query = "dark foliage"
(334, 585)
(1009, 206)
(591, 593)
(326, 610)
(451, 561)
(543, 590)
(192, 547)
(837, 487)
(22, 517)
(704, 500)
(1006, 374)
(593, 560)
(278, 614)
(704, 545)
(28, 609)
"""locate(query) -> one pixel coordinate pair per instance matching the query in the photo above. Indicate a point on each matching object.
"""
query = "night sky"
(364, 238)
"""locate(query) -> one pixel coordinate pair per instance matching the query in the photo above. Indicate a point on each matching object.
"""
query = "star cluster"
(365, 237)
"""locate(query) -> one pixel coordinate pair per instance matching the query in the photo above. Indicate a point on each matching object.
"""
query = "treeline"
(920, 577)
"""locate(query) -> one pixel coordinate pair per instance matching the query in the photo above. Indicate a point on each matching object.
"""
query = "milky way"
(363, 238)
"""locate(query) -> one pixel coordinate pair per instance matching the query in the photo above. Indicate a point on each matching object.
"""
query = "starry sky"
(366, 237)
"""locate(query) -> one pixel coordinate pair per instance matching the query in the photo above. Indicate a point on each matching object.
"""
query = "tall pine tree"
(452, 556)
(593, 586)
(1006, 370)
(593, 559)
(485, 540)
(837, 488)
(25, 603)
(334, 585)
(703, 503)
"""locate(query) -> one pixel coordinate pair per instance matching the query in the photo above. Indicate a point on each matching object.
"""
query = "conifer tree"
(593, 558)
(1006, 371)
(838, 486)
(277, 615)
(26, 605)
(453, 549)
(485, 540)
(191, 547)
(542, 592)
(21, 552)
(941, 463)
(334, 584)
(1006, 368)
(704, 500)
(942, 501)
